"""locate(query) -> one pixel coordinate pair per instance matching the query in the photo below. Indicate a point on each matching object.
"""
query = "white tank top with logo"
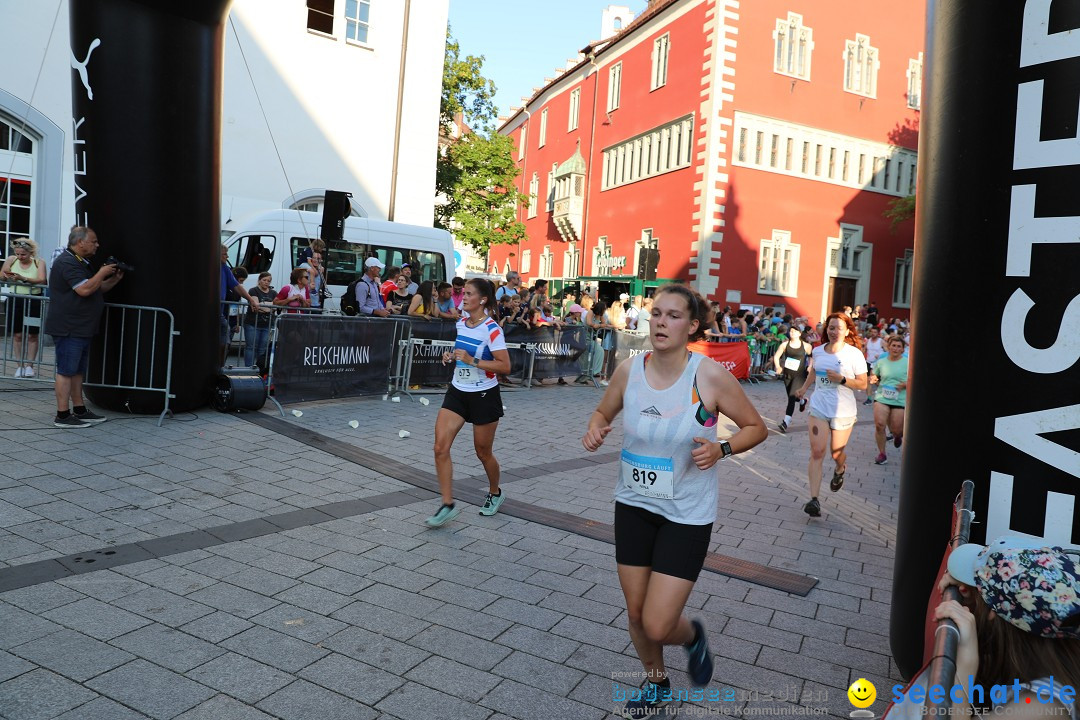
(656, 471)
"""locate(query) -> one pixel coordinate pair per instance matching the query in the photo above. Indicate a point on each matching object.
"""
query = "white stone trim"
(880, 165)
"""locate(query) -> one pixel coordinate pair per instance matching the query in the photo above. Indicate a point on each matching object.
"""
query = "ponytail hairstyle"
(852, 338)
(486, 290)
(695, 303)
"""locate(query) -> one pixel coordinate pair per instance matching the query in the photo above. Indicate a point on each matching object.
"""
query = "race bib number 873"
(649, 476)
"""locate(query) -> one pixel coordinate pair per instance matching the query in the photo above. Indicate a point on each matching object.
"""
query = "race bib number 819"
(649, 476)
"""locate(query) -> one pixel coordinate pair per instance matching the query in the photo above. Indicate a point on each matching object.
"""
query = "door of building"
(841, 293)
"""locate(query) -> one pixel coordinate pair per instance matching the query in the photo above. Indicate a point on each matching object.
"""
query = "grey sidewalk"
(372, 614)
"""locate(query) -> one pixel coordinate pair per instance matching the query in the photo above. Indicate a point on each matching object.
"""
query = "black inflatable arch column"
(995, 380)
(146, 127)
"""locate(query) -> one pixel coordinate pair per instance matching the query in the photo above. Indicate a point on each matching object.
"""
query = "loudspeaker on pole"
(336, 207)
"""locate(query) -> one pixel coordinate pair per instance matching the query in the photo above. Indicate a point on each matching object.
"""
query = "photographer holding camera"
(77, 298)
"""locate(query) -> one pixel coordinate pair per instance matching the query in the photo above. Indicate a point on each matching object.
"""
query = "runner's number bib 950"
(649, 476)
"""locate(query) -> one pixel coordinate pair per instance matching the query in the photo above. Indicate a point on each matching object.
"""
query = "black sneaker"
(700, 664)
(90, 417)
(650, 703)
(812, 508)
(837, 481)
(802, 405)
(69, 422)
(782, 427)
(897, 441)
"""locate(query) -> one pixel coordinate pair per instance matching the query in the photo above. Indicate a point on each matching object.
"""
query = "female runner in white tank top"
(839, 369)
(667, 492)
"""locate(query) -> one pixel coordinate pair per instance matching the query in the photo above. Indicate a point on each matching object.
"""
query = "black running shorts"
(479, 408)
(645, 539)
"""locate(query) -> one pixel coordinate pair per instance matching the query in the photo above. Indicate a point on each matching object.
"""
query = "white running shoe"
(19, 372)
(28, 372)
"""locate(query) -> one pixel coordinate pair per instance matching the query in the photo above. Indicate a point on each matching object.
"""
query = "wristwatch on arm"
(725, 450)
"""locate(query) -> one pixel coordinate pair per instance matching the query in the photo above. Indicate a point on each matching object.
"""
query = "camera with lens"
(120, 265)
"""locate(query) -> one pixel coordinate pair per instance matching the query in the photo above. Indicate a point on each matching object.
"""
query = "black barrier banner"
(427, 364)
(627, 345)
(318, 358)
(1018, 206)
(557, 350)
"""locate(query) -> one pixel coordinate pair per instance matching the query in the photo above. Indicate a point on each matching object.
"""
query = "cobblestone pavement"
(258, 576)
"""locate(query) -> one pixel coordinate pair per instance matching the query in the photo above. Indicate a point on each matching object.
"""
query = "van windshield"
(344, 261)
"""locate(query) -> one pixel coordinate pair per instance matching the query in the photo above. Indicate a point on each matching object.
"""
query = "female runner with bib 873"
(473, 396)
(666, 497)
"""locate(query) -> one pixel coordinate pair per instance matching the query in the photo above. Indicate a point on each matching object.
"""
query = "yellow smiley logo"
(862, 693)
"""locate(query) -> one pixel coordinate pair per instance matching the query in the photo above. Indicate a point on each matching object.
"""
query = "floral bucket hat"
(1025, 581)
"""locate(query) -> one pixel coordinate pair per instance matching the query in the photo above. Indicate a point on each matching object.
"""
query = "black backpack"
(349, 306)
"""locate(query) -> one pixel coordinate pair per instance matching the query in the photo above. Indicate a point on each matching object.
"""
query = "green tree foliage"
(474, 173)
(899, 210)
(465, 90)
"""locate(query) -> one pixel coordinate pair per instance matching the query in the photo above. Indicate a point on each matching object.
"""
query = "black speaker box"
(336, 207)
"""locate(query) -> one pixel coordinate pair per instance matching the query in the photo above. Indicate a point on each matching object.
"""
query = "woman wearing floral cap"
(1019, 621)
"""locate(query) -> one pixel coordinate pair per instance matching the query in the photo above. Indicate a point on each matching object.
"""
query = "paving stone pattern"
(373, 615)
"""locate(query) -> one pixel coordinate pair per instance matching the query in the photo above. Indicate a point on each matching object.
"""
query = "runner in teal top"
(891, 375)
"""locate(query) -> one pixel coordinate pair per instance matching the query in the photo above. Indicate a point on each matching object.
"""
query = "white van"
(272, 242)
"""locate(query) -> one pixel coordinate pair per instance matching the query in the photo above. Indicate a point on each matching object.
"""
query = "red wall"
(756, 201)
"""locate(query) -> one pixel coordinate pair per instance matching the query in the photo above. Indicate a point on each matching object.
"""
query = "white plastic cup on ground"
(354, 424)
(297, 413)
(424, 401)
(403, 434)
(395, 399)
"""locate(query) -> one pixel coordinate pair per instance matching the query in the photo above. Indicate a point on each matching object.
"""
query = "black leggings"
(791, 384)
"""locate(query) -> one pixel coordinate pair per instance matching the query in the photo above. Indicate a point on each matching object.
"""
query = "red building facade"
(754, 146)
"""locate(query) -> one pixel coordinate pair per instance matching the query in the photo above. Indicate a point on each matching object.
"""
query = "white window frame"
(614, 88)
(602, 248)
(524, 139)
(915, 82)
(861, 64)
(526, 261)
(547, 261)
(660, 53)
(356, 22)
(792, 59)
(661, 150)
(865, 159)
(902, 280)
(543, 128)
(571, 261)
(575, 110)
(773, 254)
(534, 193)
(551, 187)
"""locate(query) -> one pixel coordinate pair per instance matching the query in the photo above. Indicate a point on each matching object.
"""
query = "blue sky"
(523, 42)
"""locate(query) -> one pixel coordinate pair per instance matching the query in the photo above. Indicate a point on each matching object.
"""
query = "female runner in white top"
(666, 498)
(839, 368)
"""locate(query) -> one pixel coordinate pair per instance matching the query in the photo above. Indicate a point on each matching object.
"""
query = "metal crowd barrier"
(139, 331)
(247, 346)
(24, 321)
(133, 349)
(947, 635)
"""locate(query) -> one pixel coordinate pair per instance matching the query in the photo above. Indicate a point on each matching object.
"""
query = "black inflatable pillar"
(146, 126)
(995, 377)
